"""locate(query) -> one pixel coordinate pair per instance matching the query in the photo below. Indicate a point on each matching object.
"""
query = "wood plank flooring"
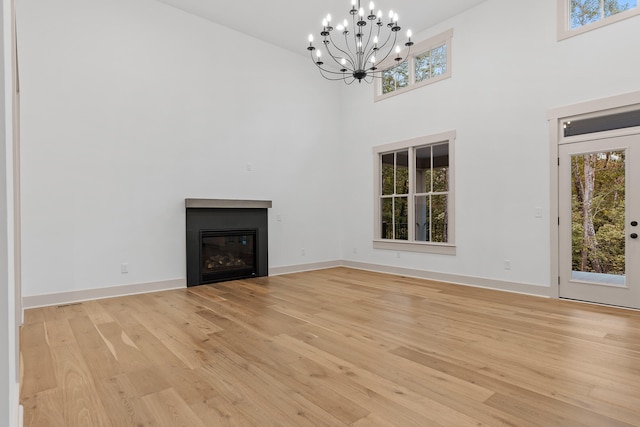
(336, 347)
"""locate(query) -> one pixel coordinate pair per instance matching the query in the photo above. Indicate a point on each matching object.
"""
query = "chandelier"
(356, 49)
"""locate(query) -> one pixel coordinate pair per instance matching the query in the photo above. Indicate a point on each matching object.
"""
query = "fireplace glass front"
(227, 254)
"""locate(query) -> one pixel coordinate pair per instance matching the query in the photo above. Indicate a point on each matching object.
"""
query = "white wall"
(9, 340)
(131, 106)
(508, 71)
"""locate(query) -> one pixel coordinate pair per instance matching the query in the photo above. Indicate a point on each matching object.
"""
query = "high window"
(579, 16)
(414, 208)
(429, 62)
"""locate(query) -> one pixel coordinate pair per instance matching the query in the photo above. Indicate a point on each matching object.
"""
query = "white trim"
(554, 229)
(20, 412)
(418, 49)
(70, 297)
(591, 108)
(564, 24)
(299, 268)
(454, 279)
(415, 142)
(424, 247)
(599, 112)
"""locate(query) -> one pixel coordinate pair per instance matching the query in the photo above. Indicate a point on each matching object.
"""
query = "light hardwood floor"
(337, 347)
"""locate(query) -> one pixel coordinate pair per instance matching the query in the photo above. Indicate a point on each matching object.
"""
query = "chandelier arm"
(356, 32)
(329, 71)
(338, 73)
(395, 36)
(366, 47)
(323, 69)
(320, 66)
(377, 47)
(350, 54)
(344, 76)
(390, 50)
(338, 48)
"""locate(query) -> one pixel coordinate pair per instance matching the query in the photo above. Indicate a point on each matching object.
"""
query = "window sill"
(430, 248)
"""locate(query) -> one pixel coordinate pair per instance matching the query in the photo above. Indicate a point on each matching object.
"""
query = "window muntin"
(579, 16)
(414, 208)
(429, 62)
(395, 78)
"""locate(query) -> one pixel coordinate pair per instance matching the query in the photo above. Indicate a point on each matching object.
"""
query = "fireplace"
(226, 240)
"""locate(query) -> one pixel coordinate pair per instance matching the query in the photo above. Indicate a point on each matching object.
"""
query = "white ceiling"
(288, 23)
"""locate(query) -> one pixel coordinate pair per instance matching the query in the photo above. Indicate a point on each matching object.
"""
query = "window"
(414, 203)
(395, 78)
(432, 63)
(621, 119)
(395, 195)
(579, 16)
(429, 62)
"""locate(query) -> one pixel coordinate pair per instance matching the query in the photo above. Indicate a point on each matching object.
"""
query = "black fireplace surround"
(226, 240)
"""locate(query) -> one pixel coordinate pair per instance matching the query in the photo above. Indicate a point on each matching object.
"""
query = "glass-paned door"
(598, 198)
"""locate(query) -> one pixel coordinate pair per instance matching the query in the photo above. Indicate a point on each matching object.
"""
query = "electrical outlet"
(507, 264)
(124, 268)
(355, 250)
(538, 212)
(302, 252)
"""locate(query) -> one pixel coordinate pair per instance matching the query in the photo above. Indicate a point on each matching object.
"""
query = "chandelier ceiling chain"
(357, 54)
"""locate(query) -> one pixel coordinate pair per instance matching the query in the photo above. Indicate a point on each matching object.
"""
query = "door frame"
(556, 118)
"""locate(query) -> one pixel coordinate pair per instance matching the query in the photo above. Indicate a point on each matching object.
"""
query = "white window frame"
(416, 50)
(412, 245)
(564, 20)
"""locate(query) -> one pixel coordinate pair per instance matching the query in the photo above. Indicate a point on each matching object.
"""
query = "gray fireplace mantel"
(227, 204)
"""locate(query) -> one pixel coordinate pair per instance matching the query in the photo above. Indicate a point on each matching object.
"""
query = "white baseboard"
(478, 282)
(278, 271)
(116, 291)
(70, 297)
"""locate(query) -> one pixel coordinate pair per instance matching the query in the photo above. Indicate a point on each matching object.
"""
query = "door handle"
(633, 236)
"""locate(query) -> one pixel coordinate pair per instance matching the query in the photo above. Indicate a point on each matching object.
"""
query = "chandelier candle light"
(356, 54)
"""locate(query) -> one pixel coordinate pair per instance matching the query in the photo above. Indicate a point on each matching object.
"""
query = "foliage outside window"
(598, 212)
(578, 16)
(432, 193)
(414, 200)
(395, 193)
(429, 62)
(395, 78)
